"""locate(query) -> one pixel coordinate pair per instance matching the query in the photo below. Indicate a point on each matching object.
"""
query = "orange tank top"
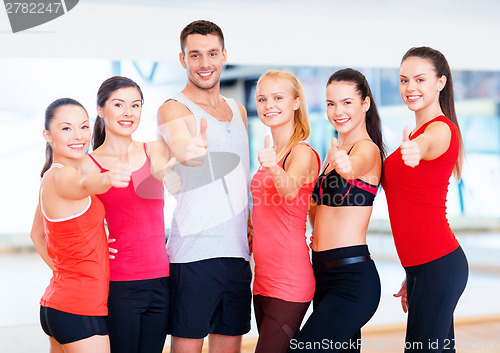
(283, 267)
(78, 247)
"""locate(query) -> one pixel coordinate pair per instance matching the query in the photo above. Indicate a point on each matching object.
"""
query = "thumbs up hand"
(267, 156)
(197, 147)
(331, 152)
(338, 158)
(171, 179)
(121, 173)
(410, 151)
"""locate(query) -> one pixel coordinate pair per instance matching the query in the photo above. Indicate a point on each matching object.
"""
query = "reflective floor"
(480, 337)
(23, 278)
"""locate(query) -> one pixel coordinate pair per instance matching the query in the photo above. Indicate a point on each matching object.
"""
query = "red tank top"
(134, 216)
(79, 250)
(282, 263)
(416, 199)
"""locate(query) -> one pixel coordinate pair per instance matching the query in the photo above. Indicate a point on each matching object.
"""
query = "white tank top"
(210, 218)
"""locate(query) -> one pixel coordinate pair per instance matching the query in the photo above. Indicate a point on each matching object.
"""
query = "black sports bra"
(334, 191)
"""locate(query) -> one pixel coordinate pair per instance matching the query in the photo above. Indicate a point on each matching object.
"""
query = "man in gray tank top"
(208, 246)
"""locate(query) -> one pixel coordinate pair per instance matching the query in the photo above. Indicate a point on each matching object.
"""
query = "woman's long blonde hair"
(301, 128)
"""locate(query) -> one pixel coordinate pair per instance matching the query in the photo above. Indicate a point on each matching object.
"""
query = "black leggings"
(346, 297)
(278, 321)
(138, 315)
(433, 290)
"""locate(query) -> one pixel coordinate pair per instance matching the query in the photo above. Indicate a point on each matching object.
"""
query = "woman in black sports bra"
(347, 282)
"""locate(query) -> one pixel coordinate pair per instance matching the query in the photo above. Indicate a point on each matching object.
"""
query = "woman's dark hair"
(446, 99)
(373, 123)
(105, 91)
(49, 116)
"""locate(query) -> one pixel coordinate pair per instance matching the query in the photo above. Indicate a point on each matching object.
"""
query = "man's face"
(203, 59)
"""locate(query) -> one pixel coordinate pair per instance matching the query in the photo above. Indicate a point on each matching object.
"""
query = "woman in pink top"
(281, 193)
(138, 301)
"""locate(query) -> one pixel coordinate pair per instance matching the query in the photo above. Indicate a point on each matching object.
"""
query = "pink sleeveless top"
(282, 263)
(134, 216)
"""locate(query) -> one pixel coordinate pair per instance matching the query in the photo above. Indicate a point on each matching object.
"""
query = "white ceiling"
(360, 33)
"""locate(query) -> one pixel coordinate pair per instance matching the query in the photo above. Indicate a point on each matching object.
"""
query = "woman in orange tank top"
(74, 244)
(281, 192)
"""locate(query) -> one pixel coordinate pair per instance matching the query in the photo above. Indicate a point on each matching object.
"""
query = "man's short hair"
(202, 27)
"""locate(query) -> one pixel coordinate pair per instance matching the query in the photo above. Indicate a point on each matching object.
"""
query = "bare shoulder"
(438, 129)
(365, 147)
(172, 110)
(302, 149)
(243, 113)
(158, 146)
(88, 166)
(302, 163)
(48, 177)
(366, 162)
(302, 154)
(64, 175)
(435, 140)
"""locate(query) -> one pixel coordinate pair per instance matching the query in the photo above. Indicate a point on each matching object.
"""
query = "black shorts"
(210, 296)
(66, 328)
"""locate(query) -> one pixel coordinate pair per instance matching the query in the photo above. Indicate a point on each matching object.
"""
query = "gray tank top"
(210, 218)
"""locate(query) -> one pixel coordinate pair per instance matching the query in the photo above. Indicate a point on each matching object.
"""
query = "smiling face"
(419, 86)
(122, 111)
(203, 59)
(276, 105)
(69, 132)
(346, 110)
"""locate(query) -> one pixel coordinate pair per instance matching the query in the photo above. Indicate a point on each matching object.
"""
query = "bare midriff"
(338, 227)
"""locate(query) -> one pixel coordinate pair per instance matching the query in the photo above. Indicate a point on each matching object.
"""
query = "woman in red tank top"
(73, 242)
(416, 179)
(138, 301)
(281, 192)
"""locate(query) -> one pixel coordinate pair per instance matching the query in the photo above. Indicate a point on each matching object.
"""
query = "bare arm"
(38, 237)
(162, 166)
(158, 153)
(243, 113)
(313, 207)
(250, 233)
(177, 126)
(431, 144)
(364, 157)
(74, 186)
(302, 168)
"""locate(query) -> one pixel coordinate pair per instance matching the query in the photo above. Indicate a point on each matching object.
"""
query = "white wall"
(292, 32)
(359, 33)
